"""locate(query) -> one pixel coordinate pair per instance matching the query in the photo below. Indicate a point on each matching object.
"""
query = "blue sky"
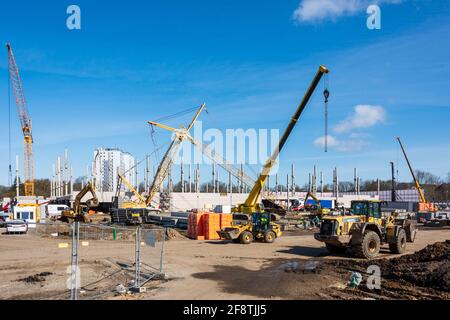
(250, 61)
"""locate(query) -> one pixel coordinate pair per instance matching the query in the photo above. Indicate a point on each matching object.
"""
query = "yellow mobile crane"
(423, 203)
(261, 226)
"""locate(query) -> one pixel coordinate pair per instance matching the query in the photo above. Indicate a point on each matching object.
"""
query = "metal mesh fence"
(106, 260)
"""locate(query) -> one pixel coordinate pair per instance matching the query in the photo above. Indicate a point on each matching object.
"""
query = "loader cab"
(369, 209)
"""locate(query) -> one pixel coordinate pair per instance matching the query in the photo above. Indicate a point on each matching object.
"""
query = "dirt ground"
(294, 267)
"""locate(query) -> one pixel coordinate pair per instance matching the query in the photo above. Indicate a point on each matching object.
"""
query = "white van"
(55, 210)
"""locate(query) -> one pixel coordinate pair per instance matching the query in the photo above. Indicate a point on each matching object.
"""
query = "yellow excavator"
(259, 225)
(318, 207)
(77, 214)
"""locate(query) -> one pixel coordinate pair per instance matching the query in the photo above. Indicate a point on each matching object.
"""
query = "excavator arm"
(312, 196)
(93, 202)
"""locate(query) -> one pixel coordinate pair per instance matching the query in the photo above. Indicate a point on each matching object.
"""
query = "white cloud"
(349, 145)
(320, 142)
(365, 116)
(319, 10)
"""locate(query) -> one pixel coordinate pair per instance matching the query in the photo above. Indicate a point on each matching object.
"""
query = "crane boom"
(170, 154)
(208, 151)
(250, 204)
(416, 182)
(132, 189)
(25, 122)
(221, 162)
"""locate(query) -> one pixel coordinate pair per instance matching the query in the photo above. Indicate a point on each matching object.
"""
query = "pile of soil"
(40, 277)
(428, 268)
(173, 234)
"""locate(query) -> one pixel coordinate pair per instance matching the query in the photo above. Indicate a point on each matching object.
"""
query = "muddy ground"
(294, 267)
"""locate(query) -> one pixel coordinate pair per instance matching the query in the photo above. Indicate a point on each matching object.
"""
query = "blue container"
(325, 204)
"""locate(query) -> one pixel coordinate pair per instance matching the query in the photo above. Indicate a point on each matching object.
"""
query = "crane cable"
(326, 94)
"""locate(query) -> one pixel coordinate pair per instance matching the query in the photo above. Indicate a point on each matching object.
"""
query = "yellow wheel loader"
(365, 230)
(259, 228)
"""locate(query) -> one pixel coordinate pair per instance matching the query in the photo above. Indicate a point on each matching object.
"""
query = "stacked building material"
(204, 225)
(211, 226)
(226, 219)
(196, 225)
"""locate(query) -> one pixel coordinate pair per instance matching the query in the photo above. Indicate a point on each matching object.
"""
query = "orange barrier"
(212, 225)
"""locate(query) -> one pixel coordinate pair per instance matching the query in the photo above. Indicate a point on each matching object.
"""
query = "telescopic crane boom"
(425, 206)
(251, 204)
(25, 123)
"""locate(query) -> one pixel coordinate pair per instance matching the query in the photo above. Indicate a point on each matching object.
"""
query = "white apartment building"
(106, 165)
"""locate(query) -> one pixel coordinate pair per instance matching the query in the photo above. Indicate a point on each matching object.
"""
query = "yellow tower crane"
(25, 123)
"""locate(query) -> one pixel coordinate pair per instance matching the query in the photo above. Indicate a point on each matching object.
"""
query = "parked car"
(16, 226)
(2, 220)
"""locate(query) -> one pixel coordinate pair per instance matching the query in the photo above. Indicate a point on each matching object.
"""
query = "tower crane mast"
(25, 123)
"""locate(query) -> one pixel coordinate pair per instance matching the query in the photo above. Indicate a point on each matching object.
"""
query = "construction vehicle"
(424, 205)
(167, 160)
(78, 214)
(182, 134)
(134, 218)
(317, 208)
(260, 225)
(365, 230)
(25, 123)
(140, 201)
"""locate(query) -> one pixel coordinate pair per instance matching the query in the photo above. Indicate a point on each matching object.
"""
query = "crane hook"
(326, 94)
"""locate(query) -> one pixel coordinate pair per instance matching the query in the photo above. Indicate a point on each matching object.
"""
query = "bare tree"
(425, 177)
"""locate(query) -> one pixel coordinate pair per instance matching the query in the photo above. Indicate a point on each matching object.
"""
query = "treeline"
(41, 188)
(436, 189)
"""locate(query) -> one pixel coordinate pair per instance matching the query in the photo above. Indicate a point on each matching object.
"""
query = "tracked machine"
(81, 213)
